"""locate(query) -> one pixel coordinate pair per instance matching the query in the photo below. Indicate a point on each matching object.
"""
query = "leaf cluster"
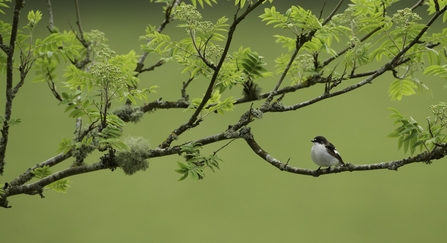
(58, 186)
(214, 104)
(51, 51)
(195, 162)
(11, 121)
(411, 135)
(371, 31)
(402, 87)
(90, 92)
(109, 137)
(3, 5)
(199, 51)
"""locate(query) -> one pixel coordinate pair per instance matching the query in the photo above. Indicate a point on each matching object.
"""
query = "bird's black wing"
(332, 151)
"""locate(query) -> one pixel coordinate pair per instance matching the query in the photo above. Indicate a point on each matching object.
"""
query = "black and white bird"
(323, 153)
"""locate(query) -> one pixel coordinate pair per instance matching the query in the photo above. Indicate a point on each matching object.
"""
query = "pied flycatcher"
(323, 153)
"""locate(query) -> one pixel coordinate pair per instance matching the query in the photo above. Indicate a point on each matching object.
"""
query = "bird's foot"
(317, 172)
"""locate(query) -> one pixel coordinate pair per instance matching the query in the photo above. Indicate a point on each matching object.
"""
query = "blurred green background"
(247, 200)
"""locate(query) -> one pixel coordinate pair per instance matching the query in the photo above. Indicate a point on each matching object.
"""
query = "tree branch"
(193, 121)
(334, 11)
(394, 62)
(9, 82)
(238, 130)
(50, 25)
(367, 36)
(81, 64)
(37, 187)
(425, 157)
(418, 37)
(27, 176)
(17, 186)
(299, 44)
(151, 68)
(300, 41)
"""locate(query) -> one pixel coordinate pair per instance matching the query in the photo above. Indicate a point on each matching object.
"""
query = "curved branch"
(425, 157)
(17, 186)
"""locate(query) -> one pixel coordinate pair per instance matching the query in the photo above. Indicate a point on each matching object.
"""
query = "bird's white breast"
(321, 157)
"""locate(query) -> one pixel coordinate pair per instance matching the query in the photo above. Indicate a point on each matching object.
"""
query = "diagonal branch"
(193, 120)
(298, 46)
(300, 41)
(27, 176)
(394, 62)
(364, 38)
(334, 11)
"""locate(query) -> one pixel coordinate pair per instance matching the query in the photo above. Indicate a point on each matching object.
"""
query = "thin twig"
(225, 145)
(185, 96)
(334, 11)
(286, 70)
(151, 68)
(161, 27)
(78, 22)
(53, 88)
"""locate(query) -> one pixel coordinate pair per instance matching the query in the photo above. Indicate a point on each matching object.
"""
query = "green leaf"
(41, 172)
(185, 175)
(194, 2)
(14, 121)
(34, 18)
(65, 145)
(401, 87)
(411, 135)
(3, 5)
(436, 70)
(271, 16)
(59, 185)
